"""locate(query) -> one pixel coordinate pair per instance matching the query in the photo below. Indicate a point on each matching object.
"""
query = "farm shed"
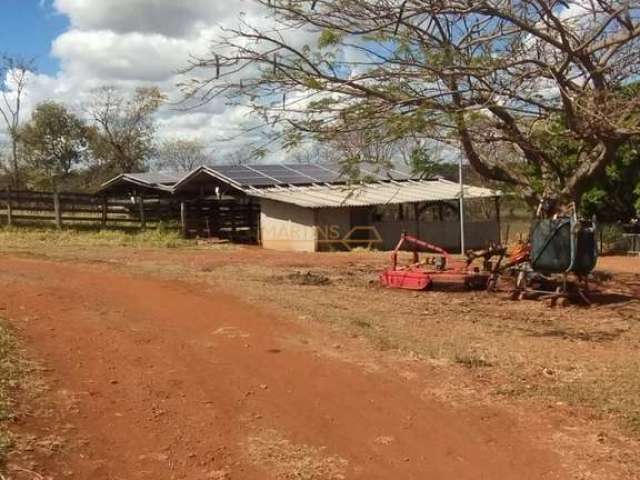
(135, 184)
(312, 207)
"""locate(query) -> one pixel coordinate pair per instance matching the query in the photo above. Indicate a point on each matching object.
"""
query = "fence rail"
(203, 217)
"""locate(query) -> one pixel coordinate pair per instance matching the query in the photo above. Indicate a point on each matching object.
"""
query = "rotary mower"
(439, 270)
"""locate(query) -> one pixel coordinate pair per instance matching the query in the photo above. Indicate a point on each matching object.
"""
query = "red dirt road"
(158, 379)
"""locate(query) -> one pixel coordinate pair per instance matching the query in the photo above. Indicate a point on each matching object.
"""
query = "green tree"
(616, 195)
(481, 75)
(612, 195)
(53, 142)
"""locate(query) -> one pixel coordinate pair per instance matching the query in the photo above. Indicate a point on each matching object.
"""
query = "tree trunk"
(14, 161)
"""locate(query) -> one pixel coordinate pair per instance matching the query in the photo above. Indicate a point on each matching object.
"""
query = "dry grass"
(27, 238)
(586, 358)
(10, 375)
(289, 461)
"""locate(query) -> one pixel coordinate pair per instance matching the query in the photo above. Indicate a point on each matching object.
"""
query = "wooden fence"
(236, 219)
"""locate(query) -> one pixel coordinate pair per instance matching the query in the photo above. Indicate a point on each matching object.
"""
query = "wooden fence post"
(9, 208)
(143, 221)
(57, 209)
(105, 211)
(183, 218)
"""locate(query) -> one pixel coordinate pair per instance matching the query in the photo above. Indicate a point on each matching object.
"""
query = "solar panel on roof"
(295, 174)
(243, 175)
(322, 174)
(286, 174)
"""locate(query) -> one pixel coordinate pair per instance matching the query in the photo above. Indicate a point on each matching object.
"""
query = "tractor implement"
(433, 270)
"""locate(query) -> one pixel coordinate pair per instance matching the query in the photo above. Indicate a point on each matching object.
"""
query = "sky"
(28, 27)
(79, 45)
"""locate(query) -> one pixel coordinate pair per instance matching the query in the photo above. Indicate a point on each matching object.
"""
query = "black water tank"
(552, 243)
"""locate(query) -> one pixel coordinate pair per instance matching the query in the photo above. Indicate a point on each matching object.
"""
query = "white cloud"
(130, 43)
(111, 56)
(166, 17)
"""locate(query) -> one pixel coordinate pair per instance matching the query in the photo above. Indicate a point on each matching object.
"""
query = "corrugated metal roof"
(155, 178)
(316, 195)
(160, 181)
(379, 193)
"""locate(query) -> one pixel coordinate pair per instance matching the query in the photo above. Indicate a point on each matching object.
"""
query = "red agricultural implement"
(433, 270)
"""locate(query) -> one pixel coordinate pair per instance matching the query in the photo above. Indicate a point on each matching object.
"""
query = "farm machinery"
(433, 270)
(554, 265)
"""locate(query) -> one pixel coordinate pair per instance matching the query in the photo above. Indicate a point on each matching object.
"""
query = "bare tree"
(179, 155)
(14, 73)
(244, 155)
(125, 126)
(485, 76)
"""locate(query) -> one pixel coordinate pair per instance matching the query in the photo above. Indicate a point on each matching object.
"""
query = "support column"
(183, 218)
(416, 215)
(497, 200)
(462, 233)
(143, 221)
(105, 212)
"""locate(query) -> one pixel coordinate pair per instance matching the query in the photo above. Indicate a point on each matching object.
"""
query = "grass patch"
(31, 237)
(290, 461)
(615, 392)
(10, 373)
(472, 361)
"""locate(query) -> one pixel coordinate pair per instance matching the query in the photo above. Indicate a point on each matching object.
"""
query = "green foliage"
(616, 195)
(421, 163)
(613, 196)
(53, 142)
(329, 38)
(292, 139)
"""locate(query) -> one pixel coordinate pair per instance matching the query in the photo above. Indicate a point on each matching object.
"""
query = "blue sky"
(128, 44)
(27, 28)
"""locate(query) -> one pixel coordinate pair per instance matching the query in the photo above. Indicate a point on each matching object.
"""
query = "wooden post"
(253, 233)
(258, 214)
(9, 208)
(497, 200)
(57, 209)
(105, 211)
(234, 230)
(143, 221)
(416, 214)
(183, 218)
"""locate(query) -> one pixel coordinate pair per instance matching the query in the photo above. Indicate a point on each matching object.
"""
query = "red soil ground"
(160, 379)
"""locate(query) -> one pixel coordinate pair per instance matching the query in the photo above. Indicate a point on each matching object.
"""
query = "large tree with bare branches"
(14, 75)
(491, 78)
(124, 125)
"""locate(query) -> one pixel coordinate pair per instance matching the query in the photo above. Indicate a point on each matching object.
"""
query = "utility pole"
(461, 209)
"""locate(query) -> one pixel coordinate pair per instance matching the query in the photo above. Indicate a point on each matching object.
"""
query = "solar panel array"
(294, 174)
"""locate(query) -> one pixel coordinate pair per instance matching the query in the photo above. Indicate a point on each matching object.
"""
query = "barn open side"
(313, 208)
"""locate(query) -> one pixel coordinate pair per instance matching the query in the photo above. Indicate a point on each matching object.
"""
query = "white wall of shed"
(287, 227)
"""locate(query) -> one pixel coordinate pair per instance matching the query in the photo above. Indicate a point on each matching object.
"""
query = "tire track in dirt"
(164, 379)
